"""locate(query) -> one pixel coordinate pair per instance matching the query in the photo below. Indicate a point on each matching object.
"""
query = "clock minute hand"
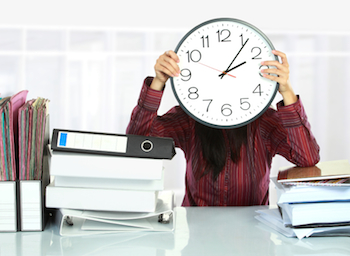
(225, 72)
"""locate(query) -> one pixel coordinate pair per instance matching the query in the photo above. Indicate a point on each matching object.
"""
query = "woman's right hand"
(165, 67)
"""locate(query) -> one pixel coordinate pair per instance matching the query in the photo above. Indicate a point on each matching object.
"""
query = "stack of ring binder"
(109, 182)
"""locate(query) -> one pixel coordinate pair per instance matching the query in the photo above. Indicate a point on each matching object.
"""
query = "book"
(321, 171)
(100, 199)
(344, 182)
(71, 164)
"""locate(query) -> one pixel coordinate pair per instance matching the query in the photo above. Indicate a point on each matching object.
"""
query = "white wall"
(303, 15)
(92, 68)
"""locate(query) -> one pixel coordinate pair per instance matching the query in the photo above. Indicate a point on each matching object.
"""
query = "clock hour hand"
(225, 72)
(235, 67)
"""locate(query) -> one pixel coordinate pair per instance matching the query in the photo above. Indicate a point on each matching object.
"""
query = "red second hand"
(217, 70)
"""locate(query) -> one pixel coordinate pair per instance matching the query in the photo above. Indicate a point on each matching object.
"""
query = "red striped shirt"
(285, 132)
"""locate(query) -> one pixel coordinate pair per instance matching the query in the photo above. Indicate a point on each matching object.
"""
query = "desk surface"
(199, 231)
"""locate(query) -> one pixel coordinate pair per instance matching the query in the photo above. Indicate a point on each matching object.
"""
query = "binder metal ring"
(147, 146)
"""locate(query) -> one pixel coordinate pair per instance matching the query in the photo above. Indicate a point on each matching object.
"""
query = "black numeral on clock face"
(256, 50)
(258, 90)
(209, 102)
(245, 105)
(223, 35)
(194, 56)
(186, 74)
(205, 41)
(193, 93)
(261, 67)
(226, 110)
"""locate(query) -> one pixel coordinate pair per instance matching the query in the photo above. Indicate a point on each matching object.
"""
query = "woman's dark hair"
(214, 148)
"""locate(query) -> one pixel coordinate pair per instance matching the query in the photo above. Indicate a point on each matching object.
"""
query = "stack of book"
(98, 175)
(312, 201)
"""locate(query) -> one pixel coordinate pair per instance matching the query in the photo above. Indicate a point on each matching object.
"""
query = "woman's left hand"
(282, 72)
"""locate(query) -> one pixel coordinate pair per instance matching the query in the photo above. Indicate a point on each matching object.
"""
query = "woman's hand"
(282, 72)
(165, 67)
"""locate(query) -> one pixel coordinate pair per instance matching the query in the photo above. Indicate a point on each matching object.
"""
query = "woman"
(228, 167)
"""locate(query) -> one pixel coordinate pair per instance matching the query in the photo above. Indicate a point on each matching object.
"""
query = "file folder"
(113, 144)
(101, 199)
(33, 213)
(84, 165)
(111, 183)
(79, 222)
(8, 206)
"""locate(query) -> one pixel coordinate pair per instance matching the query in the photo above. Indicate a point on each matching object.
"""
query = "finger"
(171, 64)
(172, 55)
(278, 79)
(277, 64)
(273, 71)
(167, 66)
(282, 55)
(273, 63)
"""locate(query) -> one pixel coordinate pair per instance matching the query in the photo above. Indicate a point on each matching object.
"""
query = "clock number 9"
(194, 56)
(186, 74)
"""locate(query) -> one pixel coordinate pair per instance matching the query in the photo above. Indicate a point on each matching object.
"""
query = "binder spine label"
(98, 142)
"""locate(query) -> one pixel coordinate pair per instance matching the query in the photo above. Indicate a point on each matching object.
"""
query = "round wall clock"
(220, 84)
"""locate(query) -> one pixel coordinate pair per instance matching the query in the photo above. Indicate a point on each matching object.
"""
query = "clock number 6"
(225, 110)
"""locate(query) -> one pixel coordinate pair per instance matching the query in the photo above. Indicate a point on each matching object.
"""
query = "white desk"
(199, 231)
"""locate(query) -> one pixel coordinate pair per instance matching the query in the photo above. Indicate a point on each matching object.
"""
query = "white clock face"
(220, 84)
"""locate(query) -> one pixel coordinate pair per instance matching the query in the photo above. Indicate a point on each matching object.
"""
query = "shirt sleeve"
(145, 121)
(287, 132)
